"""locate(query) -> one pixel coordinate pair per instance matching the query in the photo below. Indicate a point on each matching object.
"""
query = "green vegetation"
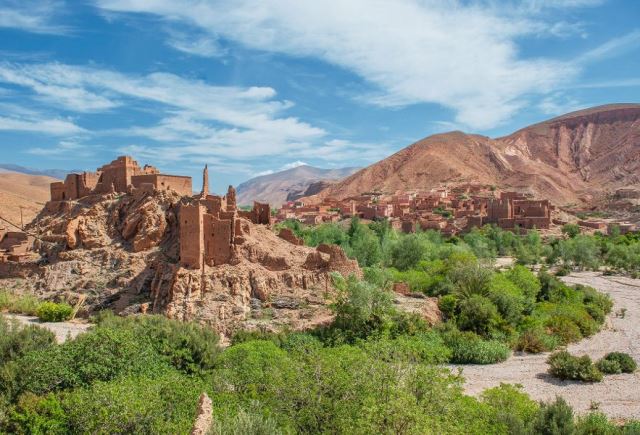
(486, 312)
(53, 312)
(374, 369)
(144, 375)
(565, 366)
(30, 305)
(22, 304)
(617, 362)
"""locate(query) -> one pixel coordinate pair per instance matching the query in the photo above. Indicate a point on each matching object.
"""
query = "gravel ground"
(618, 396)
(62, 330)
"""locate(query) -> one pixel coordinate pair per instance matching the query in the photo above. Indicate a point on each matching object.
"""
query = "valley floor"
(618, 396)
(62, 330)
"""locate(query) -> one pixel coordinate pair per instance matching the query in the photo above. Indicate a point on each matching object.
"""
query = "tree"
(571, 230)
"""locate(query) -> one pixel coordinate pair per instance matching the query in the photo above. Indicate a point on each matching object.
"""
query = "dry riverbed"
(618, 396)
(62, 330)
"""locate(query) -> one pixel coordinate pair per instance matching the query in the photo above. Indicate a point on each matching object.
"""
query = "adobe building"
(14, 245)
(121, 175)
(212, 227)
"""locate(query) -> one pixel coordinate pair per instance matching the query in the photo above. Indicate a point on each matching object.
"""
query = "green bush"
(513, 407)
(17, 340)
(469, 348)
(53, 312)
(477, 314)
(624, 360)
(563, 328)
(448, 305)
(609, 367)
(37, 415)
(596, 423)
(554, 418)
(565, 366)
(159, 405)
(188, 346)
(246, 422)
(536, 340)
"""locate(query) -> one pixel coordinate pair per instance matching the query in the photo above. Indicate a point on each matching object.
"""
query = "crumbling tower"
(231, 199)
(205, 182)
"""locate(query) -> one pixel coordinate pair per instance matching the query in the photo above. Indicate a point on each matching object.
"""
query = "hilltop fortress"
(130, 239)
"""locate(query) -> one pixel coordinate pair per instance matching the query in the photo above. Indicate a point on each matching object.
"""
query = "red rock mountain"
(576, 157)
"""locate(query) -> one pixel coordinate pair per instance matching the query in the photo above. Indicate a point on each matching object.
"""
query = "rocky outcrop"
(121, 252)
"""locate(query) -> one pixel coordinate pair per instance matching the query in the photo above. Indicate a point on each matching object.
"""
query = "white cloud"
(613, 47)
(56, 127)
(202, 45)
(196, 118)
(460, 54)
(36, 16)
(292, 165)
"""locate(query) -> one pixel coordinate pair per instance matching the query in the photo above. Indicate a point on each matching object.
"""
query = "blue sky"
(252, 86)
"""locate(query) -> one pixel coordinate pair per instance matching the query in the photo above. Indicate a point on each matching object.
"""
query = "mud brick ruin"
(121, 175)
(212, 227)
(14, 245)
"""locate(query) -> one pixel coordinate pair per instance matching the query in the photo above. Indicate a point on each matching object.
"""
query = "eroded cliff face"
(120, 251)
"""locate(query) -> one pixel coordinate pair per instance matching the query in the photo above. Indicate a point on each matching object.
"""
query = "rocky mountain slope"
(22, 190)
(289, 185)
(576, 158)
(121, 252)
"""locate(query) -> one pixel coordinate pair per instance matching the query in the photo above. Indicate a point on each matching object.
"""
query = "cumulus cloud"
(460, 54)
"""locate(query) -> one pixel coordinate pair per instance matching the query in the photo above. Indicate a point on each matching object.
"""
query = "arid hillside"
(22, 190)
(575, 158)
(289, 185)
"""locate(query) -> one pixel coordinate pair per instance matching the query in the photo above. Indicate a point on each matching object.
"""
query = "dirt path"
(618, 396)
(62, 330)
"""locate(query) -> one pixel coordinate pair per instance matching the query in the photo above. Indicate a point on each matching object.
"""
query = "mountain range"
(289, 185)
(577, 158)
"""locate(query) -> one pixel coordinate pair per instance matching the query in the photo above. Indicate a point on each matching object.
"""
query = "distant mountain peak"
(281, 186)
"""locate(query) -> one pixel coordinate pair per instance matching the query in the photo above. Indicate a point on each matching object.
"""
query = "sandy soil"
(618, 396)
(63, 330)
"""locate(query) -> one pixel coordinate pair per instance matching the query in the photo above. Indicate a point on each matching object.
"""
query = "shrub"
(469, 348)
(159, 405)
(187, 346)
(571, 230)
(624, 360)
(609, 367)
(477, 314)
(536, 340)
(37, 415)
(565, 366)
(513, 407)
(566, 331)
(595, 423)
(251, 422)
(448, 305)
(406, 252)
(554, 419)
(53, 312)
(17, 340)
(427, 347)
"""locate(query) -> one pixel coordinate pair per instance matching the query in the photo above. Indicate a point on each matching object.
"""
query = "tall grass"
(19, 304)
